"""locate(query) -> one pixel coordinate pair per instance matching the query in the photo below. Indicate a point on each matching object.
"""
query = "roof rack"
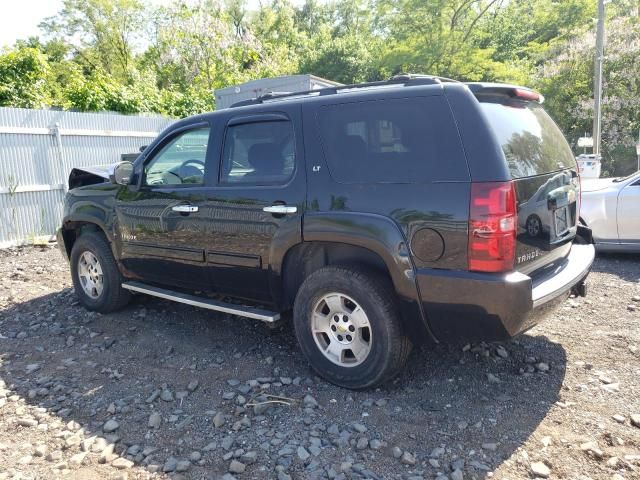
(404, 79)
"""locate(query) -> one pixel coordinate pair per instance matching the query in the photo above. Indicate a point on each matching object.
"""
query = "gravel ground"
(162, 390)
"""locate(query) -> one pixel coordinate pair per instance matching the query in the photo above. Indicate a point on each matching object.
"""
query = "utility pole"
(597, 80)
(638, 150)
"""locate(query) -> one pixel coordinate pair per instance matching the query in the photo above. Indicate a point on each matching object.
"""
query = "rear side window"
(260, 153)
(408, 140)
(531, 141)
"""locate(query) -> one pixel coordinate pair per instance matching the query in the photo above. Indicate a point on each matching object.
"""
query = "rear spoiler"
(513, 91)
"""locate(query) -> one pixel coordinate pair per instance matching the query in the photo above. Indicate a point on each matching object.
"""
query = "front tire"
(96, 278)
(348, 326)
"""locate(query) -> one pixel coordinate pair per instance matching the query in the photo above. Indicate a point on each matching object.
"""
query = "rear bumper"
(474, 306)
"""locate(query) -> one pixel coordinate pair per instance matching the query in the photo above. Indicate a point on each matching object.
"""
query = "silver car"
(536, 217)
(611, 208)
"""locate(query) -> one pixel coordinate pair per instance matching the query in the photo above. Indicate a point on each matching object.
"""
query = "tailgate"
(547, 207)
(545, 174)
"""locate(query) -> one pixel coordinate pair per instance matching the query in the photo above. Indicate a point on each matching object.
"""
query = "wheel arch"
(342, 238)
(307, 257)
(73, 227)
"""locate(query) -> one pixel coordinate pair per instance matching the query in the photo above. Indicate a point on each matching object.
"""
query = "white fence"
(38, 148)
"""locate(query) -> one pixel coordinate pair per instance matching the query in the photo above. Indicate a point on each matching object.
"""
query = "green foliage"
(182, 104)
(131, 56)
(23, 78)
(101, 92)
(524, 29)
(102, 33)
(346, 59)
(566, 76)
(441, 37)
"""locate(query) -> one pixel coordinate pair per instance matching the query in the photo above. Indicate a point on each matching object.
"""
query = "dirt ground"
(162, 390)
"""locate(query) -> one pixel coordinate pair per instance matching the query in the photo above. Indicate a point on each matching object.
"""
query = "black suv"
(381, 215)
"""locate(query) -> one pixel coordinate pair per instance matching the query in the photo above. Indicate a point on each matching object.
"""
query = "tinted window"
(181, 161)
(259, 153)
(532, 143)
(392, 141)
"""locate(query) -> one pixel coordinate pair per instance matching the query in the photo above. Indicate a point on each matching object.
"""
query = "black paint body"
(417, 233)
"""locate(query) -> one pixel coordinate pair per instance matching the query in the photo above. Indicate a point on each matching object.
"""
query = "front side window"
(181, 161)
(260, 153)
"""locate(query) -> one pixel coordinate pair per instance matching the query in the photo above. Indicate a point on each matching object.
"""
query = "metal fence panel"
(38, 148)
(29, 217)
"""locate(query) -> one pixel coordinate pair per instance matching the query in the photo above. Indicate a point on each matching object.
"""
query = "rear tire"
(96, 278)
(348, 326)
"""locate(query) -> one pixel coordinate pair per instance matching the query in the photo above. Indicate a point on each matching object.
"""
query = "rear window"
(532, 142)
(407, 140)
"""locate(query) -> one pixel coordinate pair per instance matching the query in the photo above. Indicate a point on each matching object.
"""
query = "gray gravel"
(162, 390)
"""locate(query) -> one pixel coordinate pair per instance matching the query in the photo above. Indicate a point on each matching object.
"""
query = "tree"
(199, 45)
(102, 33)
(279, 39)
(347, 59)
(23, 78)
(101, 92)
(312, 16)
(520, 33)
(440, 37)
(342, 41)
(129, 56)
(566, 79)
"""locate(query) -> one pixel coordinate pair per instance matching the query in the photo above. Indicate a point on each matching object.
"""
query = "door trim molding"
(234, 259)
(176, 253)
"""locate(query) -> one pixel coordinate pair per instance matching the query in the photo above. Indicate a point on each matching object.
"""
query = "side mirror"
(122, 173)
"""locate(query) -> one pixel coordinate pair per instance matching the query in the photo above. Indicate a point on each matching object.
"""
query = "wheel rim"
(534, 227)
(341, 330)
(90, 275)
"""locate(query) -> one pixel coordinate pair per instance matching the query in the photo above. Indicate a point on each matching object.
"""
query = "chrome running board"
(241, 311)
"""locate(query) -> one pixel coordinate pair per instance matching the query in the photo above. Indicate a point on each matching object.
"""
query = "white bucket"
(589, 165)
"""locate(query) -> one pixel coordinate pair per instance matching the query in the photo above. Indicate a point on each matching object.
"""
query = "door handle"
(185, 208)
(280, 209)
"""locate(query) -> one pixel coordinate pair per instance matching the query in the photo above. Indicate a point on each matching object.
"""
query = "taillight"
(492, 227)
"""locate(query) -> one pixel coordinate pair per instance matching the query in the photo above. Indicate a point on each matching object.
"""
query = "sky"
(20, 18)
